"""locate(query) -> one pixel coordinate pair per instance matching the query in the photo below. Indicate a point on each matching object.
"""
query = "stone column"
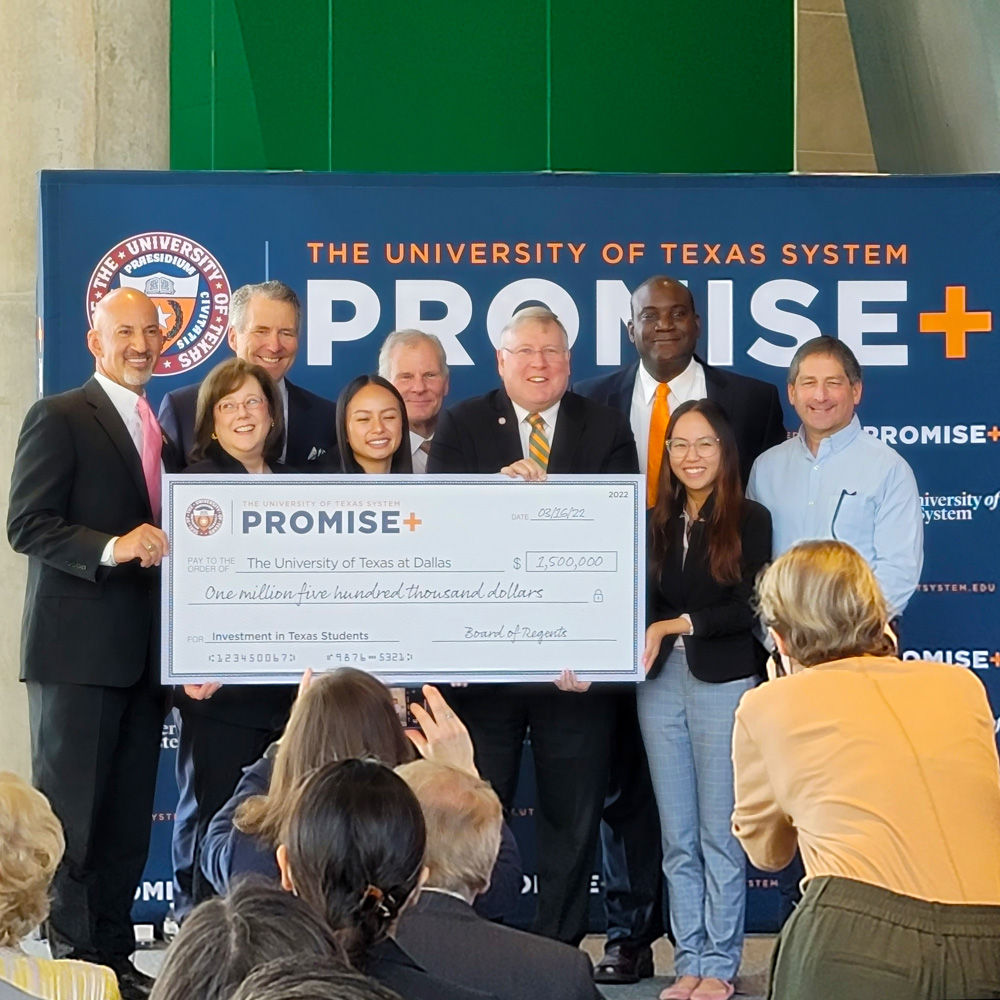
(81, 86)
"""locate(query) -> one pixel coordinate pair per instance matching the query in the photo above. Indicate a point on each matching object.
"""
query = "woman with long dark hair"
(707, 544)
(373, 433)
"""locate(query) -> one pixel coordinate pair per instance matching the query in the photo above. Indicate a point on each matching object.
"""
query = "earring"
(215, 437)
(272, 423)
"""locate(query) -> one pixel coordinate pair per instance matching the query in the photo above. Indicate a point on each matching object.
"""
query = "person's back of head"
(224, 939)
(352, 847)
(309, 979)
(31, 847)
(464, 820)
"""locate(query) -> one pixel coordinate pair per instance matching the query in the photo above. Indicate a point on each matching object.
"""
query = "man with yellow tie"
(664, 328)
(531, 426)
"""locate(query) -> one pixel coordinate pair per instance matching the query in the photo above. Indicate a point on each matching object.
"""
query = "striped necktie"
(658, 421)
(538, 443)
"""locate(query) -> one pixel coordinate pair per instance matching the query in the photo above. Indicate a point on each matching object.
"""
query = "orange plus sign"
(994, 433)
(995, 659)
(412, 521)
(955, 322)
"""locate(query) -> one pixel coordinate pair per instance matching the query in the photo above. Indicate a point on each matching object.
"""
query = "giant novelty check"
(411, 578)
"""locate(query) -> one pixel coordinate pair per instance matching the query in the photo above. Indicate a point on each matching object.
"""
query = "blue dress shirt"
(855, 489)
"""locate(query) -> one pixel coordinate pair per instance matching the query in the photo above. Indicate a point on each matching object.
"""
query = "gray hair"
(276, 291)
(537, 314)
(827, 347)
(409, 338)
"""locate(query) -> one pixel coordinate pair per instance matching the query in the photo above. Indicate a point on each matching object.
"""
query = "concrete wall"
(81, 85)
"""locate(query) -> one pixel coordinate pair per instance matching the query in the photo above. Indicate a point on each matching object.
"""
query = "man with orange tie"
(664, 328)
(531, 426)
(85, 508)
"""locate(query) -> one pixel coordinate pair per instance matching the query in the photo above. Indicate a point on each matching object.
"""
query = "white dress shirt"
(283, 393)
(548, 416)
(690, 384)
(419, 456)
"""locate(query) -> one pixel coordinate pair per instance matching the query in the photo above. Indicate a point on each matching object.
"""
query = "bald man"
(84, 508)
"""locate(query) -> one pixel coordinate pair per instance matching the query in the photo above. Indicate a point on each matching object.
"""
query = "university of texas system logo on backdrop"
(187, 284)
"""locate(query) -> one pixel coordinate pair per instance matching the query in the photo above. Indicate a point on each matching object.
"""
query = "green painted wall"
(478, 85)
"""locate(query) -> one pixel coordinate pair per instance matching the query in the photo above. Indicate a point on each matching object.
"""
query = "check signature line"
(524, 640)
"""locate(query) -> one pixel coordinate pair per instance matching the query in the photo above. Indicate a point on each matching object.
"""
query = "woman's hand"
(442, 736)
(567, 681)
(201, 692)
(304, 683)
(655, 635)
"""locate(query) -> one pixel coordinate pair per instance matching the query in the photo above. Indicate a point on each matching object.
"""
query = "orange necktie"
(658, 421)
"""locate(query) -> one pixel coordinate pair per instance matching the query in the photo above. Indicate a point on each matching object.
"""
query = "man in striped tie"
(531, 426)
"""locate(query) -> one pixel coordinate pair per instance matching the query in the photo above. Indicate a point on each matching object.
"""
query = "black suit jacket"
(257, 706)
(449, 939)
(480, 435)
(391, 966)
(753, 406)
(77, 481)
(722, 646)
(311, 432)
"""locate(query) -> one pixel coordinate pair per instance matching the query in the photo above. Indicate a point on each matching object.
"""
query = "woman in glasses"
(707, 544)
(239, 429)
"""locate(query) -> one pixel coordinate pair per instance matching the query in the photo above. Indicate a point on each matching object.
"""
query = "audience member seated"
(352, 847)
(309, 979)
(224, 940)
(31, 847)
(343, 714)
(443, 932)
(885, 774)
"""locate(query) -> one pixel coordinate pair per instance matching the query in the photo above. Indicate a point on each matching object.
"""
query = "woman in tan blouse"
(885, 774)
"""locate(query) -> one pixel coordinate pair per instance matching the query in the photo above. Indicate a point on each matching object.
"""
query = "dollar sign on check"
(517, 563)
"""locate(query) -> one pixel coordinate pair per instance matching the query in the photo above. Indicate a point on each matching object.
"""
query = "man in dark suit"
(443, 932)
(664, 328)
(84, 506)
(265, 331)
(531, 425)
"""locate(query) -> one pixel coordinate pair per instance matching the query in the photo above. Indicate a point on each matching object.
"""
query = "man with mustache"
(84, 508)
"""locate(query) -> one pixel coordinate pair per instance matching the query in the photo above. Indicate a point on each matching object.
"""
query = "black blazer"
(77, 481)
(311, 430)
(256, 706)
(722, 646)
(449, 939)
(480, 435)
(753, 406)
(391, 966)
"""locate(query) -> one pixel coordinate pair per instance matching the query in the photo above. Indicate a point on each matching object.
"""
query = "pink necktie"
(152, 444)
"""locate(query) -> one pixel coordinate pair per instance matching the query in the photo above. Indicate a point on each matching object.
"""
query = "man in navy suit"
(664, 328)
(265, 331)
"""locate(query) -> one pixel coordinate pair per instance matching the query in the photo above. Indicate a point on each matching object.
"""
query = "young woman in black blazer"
(706, 546)
(373, 433)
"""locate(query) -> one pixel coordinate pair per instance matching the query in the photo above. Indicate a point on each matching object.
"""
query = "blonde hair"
(31, 847)
(463, 818)
(822, 598)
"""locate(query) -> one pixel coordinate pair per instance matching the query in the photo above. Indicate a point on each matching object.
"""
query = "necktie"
(538, 443)
(425, 446)
(657, 437)
(152, 444)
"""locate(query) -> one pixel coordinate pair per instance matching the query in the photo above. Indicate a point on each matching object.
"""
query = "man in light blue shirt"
(835, 481)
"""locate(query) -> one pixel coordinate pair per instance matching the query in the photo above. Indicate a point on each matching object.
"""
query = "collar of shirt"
(834, 443)
(126, 402)
(548, 416)
(446, 892)
(681, 386)
(416, 441)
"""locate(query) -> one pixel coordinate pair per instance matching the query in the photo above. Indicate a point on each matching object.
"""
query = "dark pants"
(570, 735)
(94, 752)
(630, 833)
(211, 756)
(848, 940)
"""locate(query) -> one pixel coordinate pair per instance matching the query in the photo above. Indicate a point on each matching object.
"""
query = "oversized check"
(412, 578)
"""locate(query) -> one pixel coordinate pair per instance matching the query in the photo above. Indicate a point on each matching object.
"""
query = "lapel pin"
(501, 420)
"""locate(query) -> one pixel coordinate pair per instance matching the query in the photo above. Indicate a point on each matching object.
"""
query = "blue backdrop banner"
(901, 269)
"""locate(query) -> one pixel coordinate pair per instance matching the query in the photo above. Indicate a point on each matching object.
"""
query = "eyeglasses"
(527, 353)
(251, 403)
(703, 447)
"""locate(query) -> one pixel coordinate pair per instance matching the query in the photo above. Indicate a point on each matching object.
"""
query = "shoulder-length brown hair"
(344, 714)
(722, 530)
(220, 382)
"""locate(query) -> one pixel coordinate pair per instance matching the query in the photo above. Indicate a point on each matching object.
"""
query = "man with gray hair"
(533, 424)
(416, 364)
(265, 320)
(443, 932)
